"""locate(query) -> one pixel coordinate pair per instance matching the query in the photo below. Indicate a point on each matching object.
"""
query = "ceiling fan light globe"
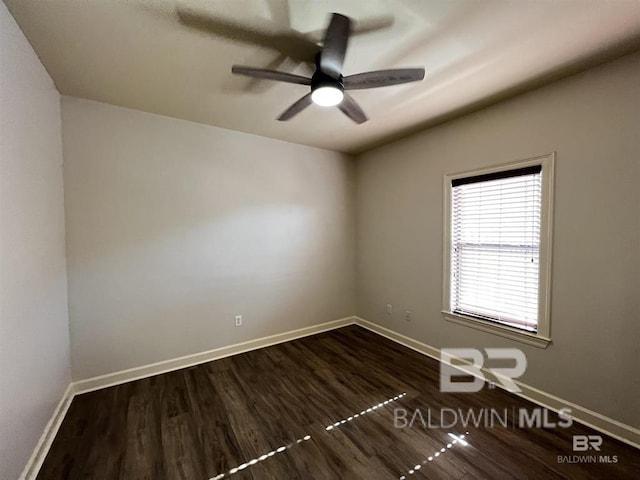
(327, 96)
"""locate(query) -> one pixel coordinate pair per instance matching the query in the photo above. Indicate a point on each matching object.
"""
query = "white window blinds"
(495, 232)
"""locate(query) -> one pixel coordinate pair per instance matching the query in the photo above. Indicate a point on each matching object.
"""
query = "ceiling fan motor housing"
(321, 79)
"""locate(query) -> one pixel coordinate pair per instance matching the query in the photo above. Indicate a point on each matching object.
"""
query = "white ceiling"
(140, 54)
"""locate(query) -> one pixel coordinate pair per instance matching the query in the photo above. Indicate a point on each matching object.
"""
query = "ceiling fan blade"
(227, 28)
(264, 34)
(358, 27)
(351, 109)
(374, 24)
(296, 108)
(270, 75)
(335, 45)
(382, 78)
(255, 84)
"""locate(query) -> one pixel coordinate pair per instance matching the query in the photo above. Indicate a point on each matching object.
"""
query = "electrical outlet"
(238, 320)
(389, 309)
(408, 315)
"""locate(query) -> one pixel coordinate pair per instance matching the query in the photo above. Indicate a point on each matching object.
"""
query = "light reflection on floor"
(364, 412)
(457, 440)
(304, 439)
(261, 458)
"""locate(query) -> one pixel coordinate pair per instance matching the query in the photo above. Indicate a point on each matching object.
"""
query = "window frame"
(543, 336)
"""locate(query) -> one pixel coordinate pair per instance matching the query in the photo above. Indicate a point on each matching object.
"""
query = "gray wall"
(592, 121)
(34, 331)
(174, 227)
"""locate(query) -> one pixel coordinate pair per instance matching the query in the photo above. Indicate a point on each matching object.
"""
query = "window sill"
(513, 333)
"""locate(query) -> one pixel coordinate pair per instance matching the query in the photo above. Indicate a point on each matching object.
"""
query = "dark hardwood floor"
(304, 410)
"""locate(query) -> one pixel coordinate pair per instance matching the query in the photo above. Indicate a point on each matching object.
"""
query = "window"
(497, 249)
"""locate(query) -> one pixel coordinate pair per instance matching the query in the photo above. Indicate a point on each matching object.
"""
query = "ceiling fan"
(328, 85)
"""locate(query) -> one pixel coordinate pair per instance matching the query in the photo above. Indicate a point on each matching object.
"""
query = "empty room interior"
(302, 239)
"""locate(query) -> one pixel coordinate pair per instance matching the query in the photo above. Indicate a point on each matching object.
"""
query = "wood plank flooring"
(264, 415)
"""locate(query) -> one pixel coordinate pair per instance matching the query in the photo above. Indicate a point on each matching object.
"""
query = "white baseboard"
(32, 468)
(137, 373)
(595, 420)
(419, 347)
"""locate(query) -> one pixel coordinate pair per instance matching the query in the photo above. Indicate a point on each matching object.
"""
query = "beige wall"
(592, 120)
(34, 330)
(174, 227)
